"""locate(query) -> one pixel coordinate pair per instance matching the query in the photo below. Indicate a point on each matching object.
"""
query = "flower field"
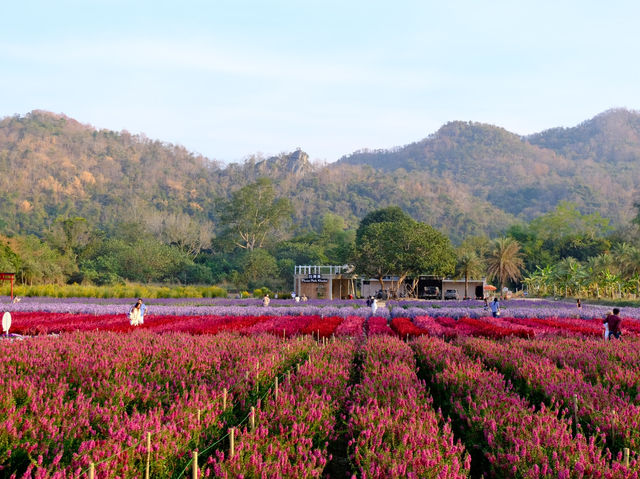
(513, 308)
(335, 392)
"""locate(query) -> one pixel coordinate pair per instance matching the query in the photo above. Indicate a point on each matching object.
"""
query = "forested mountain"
(594, 165)
(467, 178)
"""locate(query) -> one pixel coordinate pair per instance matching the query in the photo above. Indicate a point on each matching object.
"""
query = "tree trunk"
(466, 285)
(399, 283)
(414, 287)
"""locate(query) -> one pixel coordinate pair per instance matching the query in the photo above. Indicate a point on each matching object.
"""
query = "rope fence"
(249, 418)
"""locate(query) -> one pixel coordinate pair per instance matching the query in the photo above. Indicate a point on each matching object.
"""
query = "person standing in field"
(495, 307)
(136, 313)
(266, 300)
(613, 322)
(374, 305)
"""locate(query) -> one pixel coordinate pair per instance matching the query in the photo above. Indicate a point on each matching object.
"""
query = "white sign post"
(6, 322)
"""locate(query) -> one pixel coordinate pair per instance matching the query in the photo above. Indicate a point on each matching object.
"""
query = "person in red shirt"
(614, 321)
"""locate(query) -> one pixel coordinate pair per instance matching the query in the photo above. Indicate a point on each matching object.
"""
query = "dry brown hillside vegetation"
(465, 179)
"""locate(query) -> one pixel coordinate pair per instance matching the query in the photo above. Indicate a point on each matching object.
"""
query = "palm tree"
(596, 266)
(568, 274)
(505, 261)
(627, 259)
(623, 258)
(540, 280)
(469, 264)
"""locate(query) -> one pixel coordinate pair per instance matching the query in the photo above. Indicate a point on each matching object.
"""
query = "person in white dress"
(136, 313)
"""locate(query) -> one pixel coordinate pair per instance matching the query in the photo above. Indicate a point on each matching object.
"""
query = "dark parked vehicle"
(431, 292)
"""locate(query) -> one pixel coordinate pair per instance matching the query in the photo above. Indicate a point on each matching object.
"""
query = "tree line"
(562, 252)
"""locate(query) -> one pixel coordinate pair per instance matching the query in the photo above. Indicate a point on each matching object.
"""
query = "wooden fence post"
(626, 456)
(92, 471)
(232, 445)
(147, 469)
(575, 411)
(276, 389)
(194, 465)
(252, 418)
(224, 399)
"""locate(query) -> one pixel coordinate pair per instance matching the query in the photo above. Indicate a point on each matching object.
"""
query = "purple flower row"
(518, 308)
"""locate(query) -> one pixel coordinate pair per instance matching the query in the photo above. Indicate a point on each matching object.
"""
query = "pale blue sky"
(231, 78)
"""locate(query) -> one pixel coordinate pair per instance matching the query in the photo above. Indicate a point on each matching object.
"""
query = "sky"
(229, 79)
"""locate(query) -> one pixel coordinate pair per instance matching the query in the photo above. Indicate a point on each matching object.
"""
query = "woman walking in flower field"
(136, 313)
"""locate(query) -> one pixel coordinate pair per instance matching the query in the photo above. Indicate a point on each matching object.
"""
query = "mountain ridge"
(465, 178)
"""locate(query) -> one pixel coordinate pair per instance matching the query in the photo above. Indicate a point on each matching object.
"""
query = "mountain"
(594, 165)
(466, 178)
(53, 165)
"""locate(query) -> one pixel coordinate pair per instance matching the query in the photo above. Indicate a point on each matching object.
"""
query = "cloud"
(216, 57)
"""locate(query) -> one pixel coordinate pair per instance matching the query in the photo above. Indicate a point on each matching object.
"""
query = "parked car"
(431, 292)
(451, 294)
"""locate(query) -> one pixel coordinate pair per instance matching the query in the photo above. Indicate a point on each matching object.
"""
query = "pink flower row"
(598, 407)
(293, 430)
(84, 397)
(518, 440)
(615, 364)
(394, 429)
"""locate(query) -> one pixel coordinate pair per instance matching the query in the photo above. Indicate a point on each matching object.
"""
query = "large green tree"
(392, 214)
(259, 268)
(70, 235)
(402, 248)
(252, 213)
(337, 239)
(566, 221)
